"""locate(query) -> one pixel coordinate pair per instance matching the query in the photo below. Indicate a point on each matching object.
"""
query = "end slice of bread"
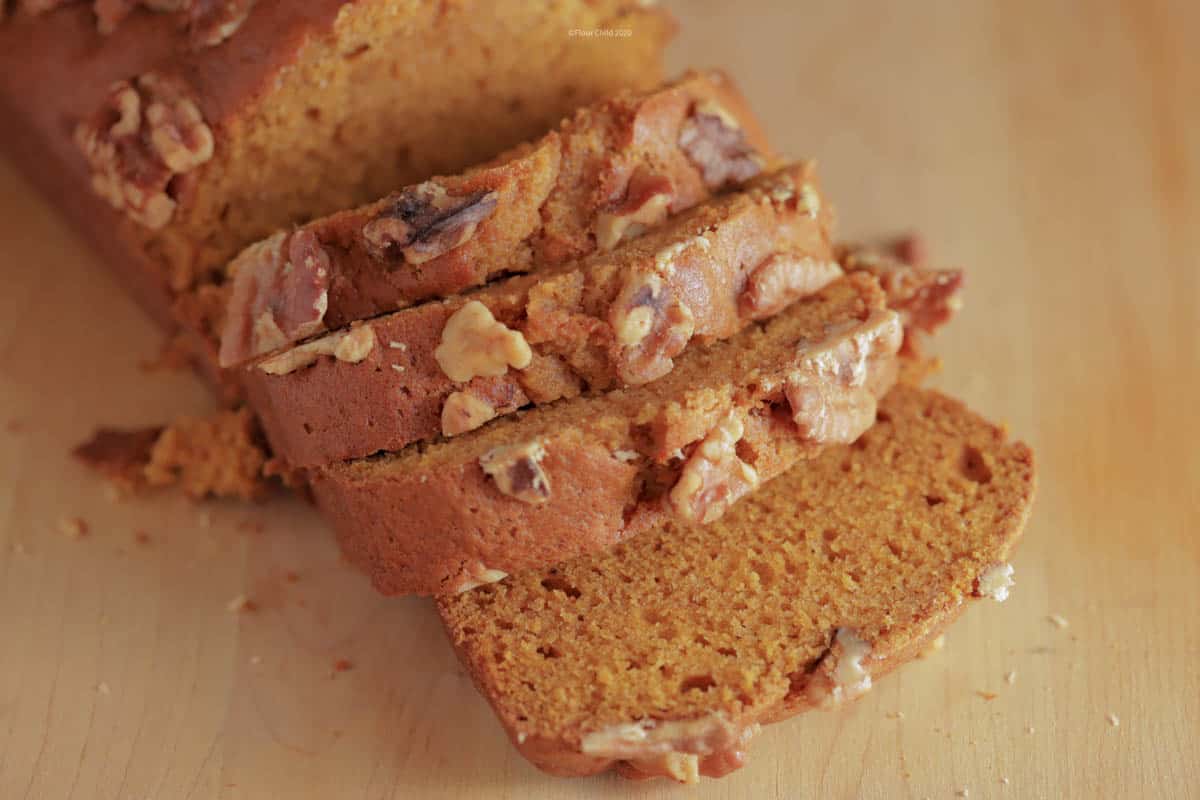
(664, 654)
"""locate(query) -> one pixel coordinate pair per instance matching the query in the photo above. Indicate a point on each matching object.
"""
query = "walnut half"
(147, 133)
(517, 471)
(714, 477)
(830, 395)
(651, 326)
(713, 141)
(647, 202)
(781, 279)
(475, 343)
(424, 221)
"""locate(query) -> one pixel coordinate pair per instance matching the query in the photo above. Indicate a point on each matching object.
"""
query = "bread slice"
(701, 276)
(664, 654)
(299, 109)
(538, 487)
(607, 173)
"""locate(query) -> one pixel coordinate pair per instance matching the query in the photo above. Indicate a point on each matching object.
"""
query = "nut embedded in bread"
(539, 486)
(663, 655)
(614, 319)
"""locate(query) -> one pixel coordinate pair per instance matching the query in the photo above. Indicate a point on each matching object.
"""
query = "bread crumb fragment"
(1004, 780)
(1113, 720)
(963, 792)
(987, 695)
(103, 688)
(1029, 729)
(73, 527)
(1059, 621)
(1010, 677)
(895, 715)
(241, 604)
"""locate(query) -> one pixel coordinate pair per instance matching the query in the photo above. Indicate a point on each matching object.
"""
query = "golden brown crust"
(620, 462)
(831, 576)
(571, 317)
(609, 171)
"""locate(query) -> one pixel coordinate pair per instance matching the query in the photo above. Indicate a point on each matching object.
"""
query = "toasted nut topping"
(926, 299)
(474, 344)
(781, 279)
(646, 204)
(830, 396)
(717, 145)
(713, 477)
(517, 471)
(351, 346)
(146, 134)
(423, 222)
(274, 301)
(464, 412)
(650, 326)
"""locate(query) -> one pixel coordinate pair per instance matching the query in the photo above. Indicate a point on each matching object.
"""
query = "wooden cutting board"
(1051, 148)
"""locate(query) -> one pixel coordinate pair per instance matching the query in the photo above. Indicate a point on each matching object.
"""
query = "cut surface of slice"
(612, 319)
(606, 174)
(664, 654)
(540, 486)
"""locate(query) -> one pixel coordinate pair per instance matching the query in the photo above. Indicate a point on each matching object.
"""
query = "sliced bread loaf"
(607, 173)
(208, 127)
(540, 486)
(666, 653)
(613, 319)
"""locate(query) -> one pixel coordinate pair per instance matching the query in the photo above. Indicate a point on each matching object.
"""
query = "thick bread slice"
(664, 654)
(702, 276)
(538, 487)
(608, 172)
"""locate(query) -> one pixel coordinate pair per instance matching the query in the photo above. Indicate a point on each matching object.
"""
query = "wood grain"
(1051, 148)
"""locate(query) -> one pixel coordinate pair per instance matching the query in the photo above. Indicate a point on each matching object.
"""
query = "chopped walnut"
(714, 477)
(716, 144)
(275, 300)
(474, 343)
(646, 204)
(424, 222)
(925, 298)
(781, 279)
(351, 346)
(517, 471)
(651, 327)
(464, 412)
(679, 749)
(831, 396)
(147, 133)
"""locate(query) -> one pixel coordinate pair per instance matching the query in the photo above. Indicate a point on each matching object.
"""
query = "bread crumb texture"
(885, 537)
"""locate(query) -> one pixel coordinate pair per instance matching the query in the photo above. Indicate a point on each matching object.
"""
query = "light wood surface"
(1051, 148)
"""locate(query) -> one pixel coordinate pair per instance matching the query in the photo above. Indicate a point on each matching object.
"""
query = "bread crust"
(334, 409)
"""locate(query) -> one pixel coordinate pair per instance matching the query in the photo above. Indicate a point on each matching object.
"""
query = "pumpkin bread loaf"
(540, 486)
(614, 319)
(607, 173)
(207, 128)
(664, 655)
